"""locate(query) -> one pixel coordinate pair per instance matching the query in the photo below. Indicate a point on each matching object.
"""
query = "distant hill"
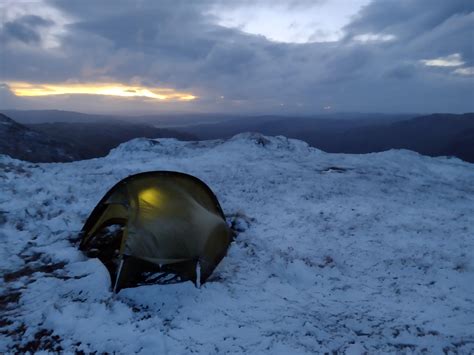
(61, 141)
(24, 143)
(96, 139)
(159, 119)
(434, 135)
(320, 128)
(43, 116)
(463, 146)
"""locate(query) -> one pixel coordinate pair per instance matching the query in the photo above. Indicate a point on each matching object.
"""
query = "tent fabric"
(168, 222)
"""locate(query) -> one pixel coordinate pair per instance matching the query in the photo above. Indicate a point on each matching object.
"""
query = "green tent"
(157, 227)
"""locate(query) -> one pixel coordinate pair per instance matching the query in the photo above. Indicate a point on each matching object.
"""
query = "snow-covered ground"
(345, 253)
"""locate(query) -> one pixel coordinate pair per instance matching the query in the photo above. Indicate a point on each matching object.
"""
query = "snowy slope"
(336, 252)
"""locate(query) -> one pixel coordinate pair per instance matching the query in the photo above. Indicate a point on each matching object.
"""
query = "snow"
(346, 253)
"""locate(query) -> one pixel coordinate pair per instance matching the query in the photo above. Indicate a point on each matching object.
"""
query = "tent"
(157, 227)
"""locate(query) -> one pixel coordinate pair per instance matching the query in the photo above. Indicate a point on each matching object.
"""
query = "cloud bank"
(392, 56)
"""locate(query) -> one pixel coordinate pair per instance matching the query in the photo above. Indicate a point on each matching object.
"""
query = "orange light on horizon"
(107, 89)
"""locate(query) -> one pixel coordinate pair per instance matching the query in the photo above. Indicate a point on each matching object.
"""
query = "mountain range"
(69, 141)
(82, 136)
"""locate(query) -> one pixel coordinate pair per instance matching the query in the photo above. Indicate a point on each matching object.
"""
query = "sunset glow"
(107, 89)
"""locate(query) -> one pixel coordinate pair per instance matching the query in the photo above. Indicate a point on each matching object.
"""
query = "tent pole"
(119, 270)
(198, 274)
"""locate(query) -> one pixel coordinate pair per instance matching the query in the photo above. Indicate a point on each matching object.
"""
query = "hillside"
(21, 142)
(96, 139)
(360, 133)
(335, 253)
(318, 128)
(161, 119)
(50, 116)
(68, 141)
(433, 135)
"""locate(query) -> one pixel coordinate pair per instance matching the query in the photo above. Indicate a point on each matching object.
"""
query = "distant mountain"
(463, 146)
(61, 141)
(96, 139)
(217, 122)
(434, 135)
(23, 143)
(159, 120)
(321, 126)
(43, 116)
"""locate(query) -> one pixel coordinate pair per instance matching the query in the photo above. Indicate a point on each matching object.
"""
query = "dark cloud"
(423, 28)
(17, 31)
(35, 21)
(407, 18)
(176, 44)
(24, 29)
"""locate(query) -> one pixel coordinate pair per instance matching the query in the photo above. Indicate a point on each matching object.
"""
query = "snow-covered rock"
(347, 253)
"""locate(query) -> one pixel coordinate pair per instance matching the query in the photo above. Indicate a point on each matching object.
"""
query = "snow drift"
(335, 252)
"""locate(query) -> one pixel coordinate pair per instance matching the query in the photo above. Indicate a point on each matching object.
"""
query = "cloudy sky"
(288, 57)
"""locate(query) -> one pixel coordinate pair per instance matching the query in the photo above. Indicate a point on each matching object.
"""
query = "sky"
(247, 57)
